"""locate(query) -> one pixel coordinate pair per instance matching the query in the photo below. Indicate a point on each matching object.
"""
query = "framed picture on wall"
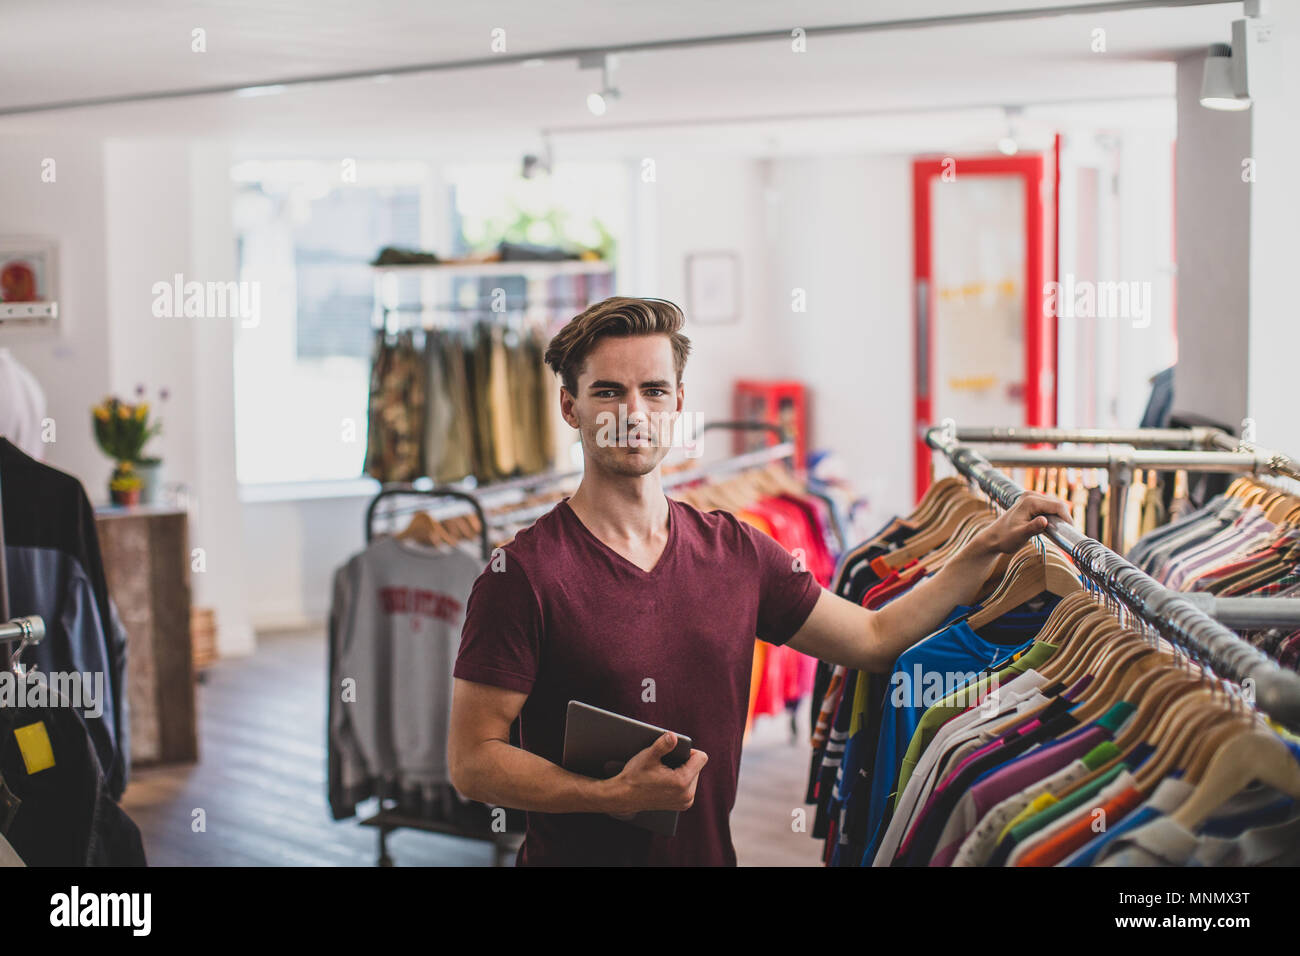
(713, 287)
(29, 273)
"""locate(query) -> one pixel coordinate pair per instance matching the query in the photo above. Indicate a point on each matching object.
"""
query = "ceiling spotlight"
(600, 101)
(1217, 89)
(1007, 146)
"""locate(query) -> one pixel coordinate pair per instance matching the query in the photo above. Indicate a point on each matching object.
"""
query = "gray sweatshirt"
(394, 630)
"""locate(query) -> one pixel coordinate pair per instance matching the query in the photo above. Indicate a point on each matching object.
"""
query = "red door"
(984, 251)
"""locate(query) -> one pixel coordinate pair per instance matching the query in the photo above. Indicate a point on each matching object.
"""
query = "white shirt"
(22, 406)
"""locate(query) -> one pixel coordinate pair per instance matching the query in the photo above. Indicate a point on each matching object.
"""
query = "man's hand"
(1028, 517)
(646, 783)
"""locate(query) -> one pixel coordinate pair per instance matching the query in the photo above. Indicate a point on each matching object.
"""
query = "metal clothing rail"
(1276, 692)
(1233, 455)
(1198, 437)
(484, 543)
(1277, 463)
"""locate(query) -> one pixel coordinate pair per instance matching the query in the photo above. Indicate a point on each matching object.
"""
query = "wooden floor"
(260, 781)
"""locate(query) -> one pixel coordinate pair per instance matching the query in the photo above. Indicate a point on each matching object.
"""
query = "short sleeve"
(787, 589)
(500, 642)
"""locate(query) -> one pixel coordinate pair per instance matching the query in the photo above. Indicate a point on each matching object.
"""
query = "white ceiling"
(870, 90)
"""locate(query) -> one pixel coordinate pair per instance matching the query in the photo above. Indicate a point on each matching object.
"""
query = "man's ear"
(566, 407)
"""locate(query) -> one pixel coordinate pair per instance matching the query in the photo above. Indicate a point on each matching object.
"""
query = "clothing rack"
(1276, 692)
(387, 820)
(1233, 456)
(437, 492)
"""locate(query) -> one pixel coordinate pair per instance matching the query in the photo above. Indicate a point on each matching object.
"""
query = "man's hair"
(616, 316)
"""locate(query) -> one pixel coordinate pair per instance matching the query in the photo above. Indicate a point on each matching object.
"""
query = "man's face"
(627, 403)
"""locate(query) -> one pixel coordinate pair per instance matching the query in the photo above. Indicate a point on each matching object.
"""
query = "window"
(302, 374)
(306, 236)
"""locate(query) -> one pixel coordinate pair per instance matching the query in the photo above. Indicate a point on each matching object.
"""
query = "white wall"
(292, 550)
(706, 204)
(1274, 343)
(73, 369)
(840, 228)
(169, 207)
(1214, 251)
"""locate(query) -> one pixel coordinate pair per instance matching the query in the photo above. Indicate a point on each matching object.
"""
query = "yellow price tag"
(34, 743)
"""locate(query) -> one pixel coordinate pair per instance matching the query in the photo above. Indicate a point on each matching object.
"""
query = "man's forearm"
(506, 776)
(919, 612)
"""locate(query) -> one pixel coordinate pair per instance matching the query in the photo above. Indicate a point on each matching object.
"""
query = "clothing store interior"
(276, 286)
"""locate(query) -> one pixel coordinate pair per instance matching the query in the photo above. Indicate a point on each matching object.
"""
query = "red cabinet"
(781, 403)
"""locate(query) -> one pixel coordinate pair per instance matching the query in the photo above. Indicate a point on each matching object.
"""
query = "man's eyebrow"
(601, 384)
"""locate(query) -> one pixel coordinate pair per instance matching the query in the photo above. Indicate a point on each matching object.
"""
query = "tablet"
(597, 743)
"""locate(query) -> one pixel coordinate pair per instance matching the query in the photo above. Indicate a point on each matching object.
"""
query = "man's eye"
(605, 393)
(656, 392)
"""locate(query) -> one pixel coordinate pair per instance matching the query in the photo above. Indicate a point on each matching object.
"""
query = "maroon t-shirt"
(568, 618)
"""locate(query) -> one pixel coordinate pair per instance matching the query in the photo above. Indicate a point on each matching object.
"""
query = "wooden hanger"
(424, 530)
(1255, 755)
(1208, 745)
(1063, 630)
(968, 529)
(938, 531)
(1280, 507)
(1043, 571)
(920, 515)
(1238, 487)
(1154, 693)
(1116, 682)
(1175, 732)
(1152, 706)
(1092, 645)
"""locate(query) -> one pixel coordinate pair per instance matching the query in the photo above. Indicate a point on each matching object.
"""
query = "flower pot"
(125, 498)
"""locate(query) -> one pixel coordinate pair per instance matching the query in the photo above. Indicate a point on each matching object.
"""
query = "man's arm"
(485, 766)
(841, 632)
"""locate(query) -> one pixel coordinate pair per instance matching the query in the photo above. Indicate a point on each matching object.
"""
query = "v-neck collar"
(614, 555)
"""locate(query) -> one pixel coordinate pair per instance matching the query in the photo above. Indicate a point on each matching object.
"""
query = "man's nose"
(636, 409)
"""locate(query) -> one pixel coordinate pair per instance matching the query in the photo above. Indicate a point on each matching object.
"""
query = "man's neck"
(620, 507)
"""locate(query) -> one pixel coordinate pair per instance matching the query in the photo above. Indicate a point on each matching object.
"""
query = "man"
(631, 601)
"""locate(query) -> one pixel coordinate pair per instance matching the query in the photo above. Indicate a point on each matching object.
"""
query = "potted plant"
(124, 486)
(122, 430)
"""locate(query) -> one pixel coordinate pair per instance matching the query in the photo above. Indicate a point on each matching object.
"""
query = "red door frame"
(1039, 269)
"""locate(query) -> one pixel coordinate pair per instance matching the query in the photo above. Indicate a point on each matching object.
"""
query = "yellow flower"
(125, 467)
(123, 412)
(101, 413)
(141, 411)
